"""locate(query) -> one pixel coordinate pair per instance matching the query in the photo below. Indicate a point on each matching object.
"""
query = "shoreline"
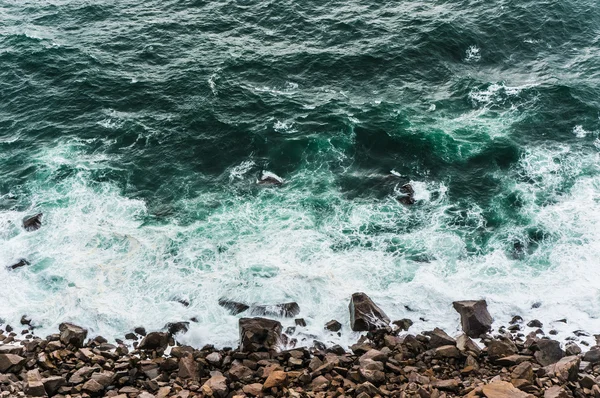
(389, 360)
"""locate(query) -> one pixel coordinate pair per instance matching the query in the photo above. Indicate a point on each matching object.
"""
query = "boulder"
(21, 263)
(502, 389)
(333, 326)
(440, 338)
(140, 330)
(556, 392)
(177, 327)
(187, 367)
(253, 390)
(447, 351)
(365, 315)
(53, 383)
(216, 386)
(33, 223)
(523, 371)
(72, 334)
(239, 372)
(408, 195)
(474, 317)
(501, 348)
(233, 306)
(592, 355)
(277, 378)
(11, 363)
(286, 310)
(154, 340)
(259, 334)
(566, 369)
(93, 388)
(35, 387)
(464, 344)
(403, 324)
(547, 352)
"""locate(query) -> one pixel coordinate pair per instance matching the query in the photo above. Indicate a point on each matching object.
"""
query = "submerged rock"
(33, 223)
(408, 197)
(259, 334)
(233, 306)
(474, 317)
(177, 327)
(365, 315)
(286, 310)
(21, 263)
(268, 178)
(333, 326)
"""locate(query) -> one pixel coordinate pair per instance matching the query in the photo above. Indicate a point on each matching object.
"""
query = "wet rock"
(268, 178)
(287, 310)
(33, 223)
(131, 336)
(403, 324)
(333, 326)
(300, 322)
(10, 363)
(72, 334)
(177, 327)
(502, 389)
(140, 330)
(154, 340)
(21, 263)
(408, 195)
(474, 316)
(547, 352)
(214, 358)
(365, 315)
(233, 306)
(259, 334)
(440, 338)
(535, 324)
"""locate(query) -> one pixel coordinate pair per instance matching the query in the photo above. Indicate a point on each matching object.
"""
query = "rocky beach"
(389, 360)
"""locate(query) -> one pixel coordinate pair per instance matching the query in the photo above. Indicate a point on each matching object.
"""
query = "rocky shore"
(389, 360)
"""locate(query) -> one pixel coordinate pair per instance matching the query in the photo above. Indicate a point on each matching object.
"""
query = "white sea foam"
(95, 261)
(473, 54)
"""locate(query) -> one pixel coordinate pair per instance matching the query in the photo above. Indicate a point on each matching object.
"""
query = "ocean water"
(140, 128)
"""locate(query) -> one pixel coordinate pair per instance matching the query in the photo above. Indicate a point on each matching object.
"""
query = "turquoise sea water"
(140, 129)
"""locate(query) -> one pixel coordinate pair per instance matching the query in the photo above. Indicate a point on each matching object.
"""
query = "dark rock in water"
(33, 223)
(22, 262)
(440, 338)
(233, 306)
(547, 351)
(131, 336)
(536, 305)
(581, 333)
(535, 324)
(183, 302)
(25, 320)
(300, 322)
(140, 330)
(177, 327)
(287, 310)
(333, 326)
(474, 317)
(72, 334)
(403, 324)
(267, 178)
(259, 334)
(572, 349)
(409, 195)
(516, 319)
(154, 340)
(365, 315)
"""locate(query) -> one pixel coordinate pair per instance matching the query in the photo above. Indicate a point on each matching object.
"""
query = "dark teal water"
(140, 129)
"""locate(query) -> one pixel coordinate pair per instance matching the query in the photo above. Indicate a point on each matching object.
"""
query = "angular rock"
(513, 360)
(440, 338)
(286, 310)
(365, 315)
(233, 306)
(259, 334)
(177, 327)
(333, 326)
(21, 263)
(592, 355)
(474, 316)
(53, 383)
(93, 388)
(548, 352)
(254, 389)
(523, 371)
(72, 334)
(556, 392)
(465, 344)
(403, 324)
(187, 367)
(10, 363)
(447, 351)
(33, 223)
(239, 372)
(566, 369)
(216, 386)
(277, 378)
(154, 340)
(502, 389)
(501, 348)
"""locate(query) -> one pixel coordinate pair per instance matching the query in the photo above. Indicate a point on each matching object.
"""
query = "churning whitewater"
(141, 129)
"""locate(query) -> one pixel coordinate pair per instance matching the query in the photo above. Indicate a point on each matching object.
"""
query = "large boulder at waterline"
(365, 315)
(72, 334)
(287, 310)
(154, 341)
(233, 306)
(259, 334)
(474, 317)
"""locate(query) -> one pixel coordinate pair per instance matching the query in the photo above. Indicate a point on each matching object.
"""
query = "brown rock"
(440, 338)
(524, 371)
(239, 372)
(502, 389)
(11, 363)
(216, 386)
(474, 317)
(464, 344)
(365, 315)
(93, 388)
(556, 392)
(566, 369)
(512, 360)
(320, 383)
(501, 348)
(447, 351)
(333, 326)
(72, 334)
(548, 352)
(154, 341)
(259, 334)
(254, 389)
(277, 378)
(187, 367)
(447, 385)
(53, 383)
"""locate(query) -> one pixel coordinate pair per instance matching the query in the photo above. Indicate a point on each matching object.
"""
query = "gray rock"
(286, 310)
(11, 363)
(440, 338)
(547, 352)
(53, 383)
(259, 334)
(233, 306)
(333, 326)
(365, 315)
(33, 223)
(474, 317)
(72, 334)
